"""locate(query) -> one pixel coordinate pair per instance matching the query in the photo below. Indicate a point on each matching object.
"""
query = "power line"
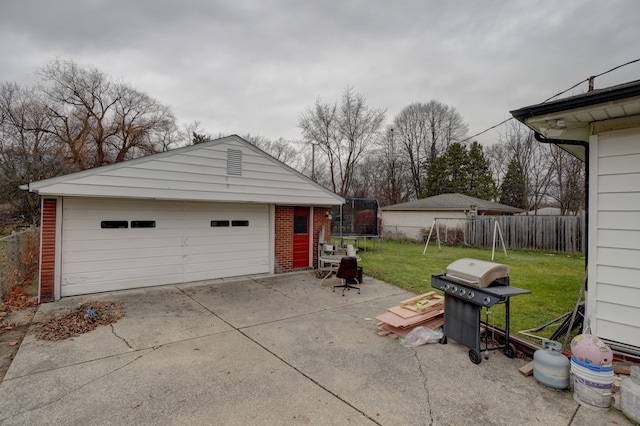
(486, 130)
(555, 96)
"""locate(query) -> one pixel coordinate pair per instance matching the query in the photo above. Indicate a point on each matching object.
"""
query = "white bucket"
(592, 385)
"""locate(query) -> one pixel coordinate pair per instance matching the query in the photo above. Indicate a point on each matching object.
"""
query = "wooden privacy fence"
(550, 233)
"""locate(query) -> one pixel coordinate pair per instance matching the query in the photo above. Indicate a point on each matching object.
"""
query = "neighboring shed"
(218, 209)
(409, 219)
(602, 127)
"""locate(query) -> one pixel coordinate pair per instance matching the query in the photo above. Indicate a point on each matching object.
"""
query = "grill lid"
(477, 273)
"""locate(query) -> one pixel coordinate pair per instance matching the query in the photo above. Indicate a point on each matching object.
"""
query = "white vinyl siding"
(182, 247)
(196, 173)
(614, 249)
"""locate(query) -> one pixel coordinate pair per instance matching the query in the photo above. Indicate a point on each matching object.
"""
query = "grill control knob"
(471, 294)
(462, 291)
(446, 287)
(454, 289)
(486, 300)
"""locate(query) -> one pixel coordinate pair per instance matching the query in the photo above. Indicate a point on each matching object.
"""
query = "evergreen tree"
(479, 180)
(460, 171)
(513, 188)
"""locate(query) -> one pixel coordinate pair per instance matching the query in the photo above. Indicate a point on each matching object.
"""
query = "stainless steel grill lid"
(478, 273)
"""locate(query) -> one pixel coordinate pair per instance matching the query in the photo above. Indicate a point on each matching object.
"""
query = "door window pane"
(300, 224)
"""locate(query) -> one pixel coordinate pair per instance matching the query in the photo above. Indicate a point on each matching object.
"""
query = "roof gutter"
(542, 139)
(600, 96)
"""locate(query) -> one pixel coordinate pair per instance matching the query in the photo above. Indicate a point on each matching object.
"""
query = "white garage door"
(119, 244)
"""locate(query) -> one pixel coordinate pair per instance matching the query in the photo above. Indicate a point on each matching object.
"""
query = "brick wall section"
(283, 239)
(47, 250)
(284, 236)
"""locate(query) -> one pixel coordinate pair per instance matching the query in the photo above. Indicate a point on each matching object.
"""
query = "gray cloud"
(254, 66)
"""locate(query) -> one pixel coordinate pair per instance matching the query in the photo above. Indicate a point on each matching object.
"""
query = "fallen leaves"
(80, 320)
(19, 298)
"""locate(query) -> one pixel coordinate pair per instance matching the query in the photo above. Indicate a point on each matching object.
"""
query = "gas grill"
(468, 286)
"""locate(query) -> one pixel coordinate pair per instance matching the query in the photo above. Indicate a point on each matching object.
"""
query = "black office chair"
(348, 271)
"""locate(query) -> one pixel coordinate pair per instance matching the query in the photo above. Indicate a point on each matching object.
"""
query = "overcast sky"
(254, 66)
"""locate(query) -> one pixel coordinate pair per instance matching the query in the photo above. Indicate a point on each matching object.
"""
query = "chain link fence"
(19, 257)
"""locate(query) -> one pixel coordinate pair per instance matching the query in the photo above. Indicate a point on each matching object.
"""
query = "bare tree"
(343, 134)
(280, 149)
(389, 175)
(99, 121)
(424, 131)
(533, 158)
(27, 153)
(498, 156)
(568, 185)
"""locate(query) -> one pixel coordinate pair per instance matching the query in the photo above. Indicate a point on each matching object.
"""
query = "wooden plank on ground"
(417, 298)
(403, 312)
(432, 323)
(527, 369)
(397, 321)
(423, 302)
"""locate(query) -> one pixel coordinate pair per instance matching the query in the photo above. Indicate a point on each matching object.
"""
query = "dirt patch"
(80, 320)
(16, 319)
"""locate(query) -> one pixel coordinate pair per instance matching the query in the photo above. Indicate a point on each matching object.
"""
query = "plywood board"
(397, 321)
(423, 302)
(403, 312)
(432, 324)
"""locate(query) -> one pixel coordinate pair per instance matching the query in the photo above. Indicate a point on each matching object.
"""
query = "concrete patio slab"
(278, 350)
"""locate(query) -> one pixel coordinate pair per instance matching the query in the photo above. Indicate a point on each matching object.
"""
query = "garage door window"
(114, 224)
(219, 223)
(239, 223)
(143, 223)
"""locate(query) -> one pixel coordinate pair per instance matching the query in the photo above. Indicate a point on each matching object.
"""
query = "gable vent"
(234, 162)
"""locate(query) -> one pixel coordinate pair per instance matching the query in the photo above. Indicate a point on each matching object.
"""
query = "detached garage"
(218, 209)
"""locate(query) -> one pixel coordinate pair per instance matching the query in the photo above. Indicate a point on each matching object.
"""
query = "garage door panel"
(135, 243)
(224, 270)
(119, 234)
(133, 255)
(110, 284)
(120, 264)
(222, 243)
(149, 273)
(183, 246)
(240, 256)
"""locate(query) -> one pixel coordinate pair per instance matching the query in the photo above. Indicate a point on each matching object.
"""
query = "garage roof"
(454, 202)
(229, 169)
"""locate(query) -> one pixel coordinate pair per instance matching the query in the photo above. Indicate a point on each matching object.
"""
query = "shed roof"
(229, 169)
(453, 202)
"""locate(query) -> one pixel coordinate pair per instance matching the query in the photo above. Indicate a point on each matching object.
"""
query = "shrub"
(19, 261)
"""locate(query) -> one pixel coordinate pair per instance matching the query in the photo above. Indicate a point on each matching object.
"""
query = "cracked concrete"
(267, 350)
(113, 330)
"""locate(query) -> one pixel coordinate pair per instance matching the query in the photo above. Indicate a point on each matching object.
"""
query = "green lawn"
(553, 278)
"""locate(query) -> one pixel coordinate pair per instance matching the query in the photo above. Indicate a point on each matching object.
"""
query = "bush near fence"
(19, 254)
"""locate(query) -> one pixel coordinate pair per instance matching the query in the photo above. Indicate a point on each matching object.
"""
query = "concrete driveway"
(268, 350)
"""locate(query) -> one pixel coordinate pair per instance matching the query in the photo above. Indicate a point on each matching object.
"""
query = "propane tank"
(550, 366)
(630, 394)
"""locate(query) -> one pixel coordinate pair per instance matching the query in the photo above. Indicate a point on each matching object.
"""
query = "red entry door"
(301, 237)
